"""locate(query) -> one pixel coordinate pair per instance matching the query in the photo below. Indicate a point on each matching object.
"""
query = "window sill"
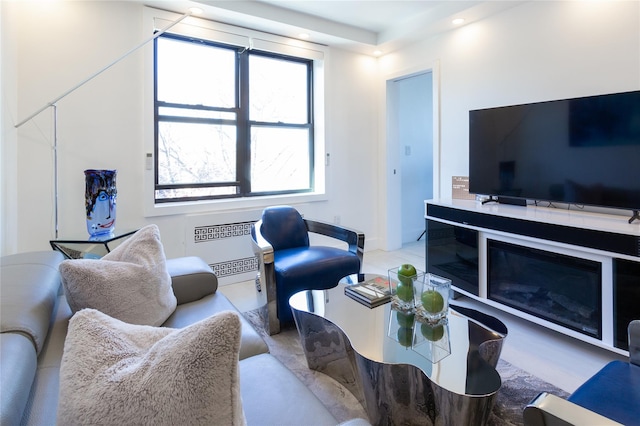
(166, 209)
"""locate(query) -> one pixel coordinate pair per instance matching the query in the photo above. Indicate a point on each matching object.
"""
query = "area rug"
(518, 387)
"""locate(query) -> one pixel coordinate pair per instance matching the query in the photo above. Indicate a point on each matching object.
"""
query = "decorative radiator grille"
(224, 242)
(235, 267)
(202, 234)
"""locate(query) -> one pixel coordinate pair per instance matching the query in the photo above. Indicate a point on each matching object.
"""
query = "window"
(230, 122)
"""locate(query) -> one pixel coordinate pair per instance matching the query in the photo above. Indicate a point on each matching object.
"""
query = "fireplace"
(562, 289)
(577, 273)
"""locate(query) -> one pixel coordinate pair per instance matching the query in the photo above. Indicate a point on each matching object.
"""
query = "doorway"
(410, 151)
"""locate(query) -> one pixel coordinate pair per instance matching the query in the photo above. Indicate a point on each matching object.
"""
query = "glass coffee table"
(400, 380)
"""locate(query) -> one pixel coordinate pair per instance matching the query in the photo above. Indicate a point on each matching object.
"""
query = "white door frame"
(391, 154)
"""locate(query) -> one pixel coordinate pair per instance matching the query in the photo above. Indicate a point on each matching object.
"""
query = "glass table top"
(450, 357)
(89, 247)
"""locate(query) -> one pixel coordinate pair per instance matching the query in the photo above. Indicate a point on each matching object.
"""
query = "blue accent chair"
(289, 263)
(610, 397)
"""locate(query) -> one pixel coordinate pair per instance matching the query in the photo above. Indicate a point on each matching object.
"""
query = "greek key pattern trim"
(203, 234)
(235, 267)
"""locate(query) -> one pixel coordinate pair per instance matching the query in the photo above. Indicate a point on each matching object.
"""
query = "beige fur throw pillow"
(131, 283)
(114, 373)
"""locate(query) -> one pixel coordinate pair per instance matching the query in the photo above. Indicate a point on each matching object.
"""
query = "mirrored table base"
(402, 393)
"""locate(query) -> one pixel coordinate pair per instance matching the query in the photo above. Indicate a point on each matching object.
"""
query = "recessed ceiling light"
(196, 10)
(458, 21)
(377, 52)
(304, 35)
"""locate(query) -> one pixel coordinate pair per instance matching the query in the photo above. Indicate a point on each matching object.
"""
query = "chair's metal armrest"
(261, 246)
(264, 251)
(634, 342)
(550, 410)
(355, 239)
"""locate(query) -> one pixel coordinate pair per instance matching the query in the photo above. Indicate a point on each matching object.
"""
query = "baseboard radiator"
(226, 247)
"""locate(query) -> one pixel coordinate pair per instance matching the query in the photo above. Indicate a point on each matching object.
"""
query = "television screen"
(578, 151)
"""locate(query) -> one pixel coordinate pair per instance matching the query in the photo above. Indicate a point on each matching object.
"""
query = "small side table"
(89, 248)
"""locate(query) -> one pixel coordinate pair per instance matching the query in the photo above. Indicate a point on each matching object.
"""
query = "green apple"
(432, 333)
(405, 336)
(405, 320)
(432, 301)
(406, 273)
(405, 292)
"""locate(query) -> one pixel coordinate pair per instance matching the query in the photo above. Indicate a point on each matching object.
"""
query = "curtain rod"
(92, 76)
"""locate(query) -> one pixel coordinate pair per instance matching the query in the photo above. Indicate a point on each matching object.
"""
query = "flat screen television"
(583, 151)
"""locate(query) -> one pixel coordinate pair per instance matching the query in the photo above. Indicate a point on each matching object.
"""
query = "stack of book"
(371, 293)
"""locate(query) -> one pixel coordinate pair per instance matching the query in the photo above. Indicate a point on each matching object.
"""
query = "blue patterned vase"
(100, 201)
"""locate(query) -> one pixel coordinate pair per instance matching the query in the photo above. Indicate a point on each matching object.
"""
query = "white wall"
(533, 52)
(536, 51)
(101, 125)
(8, 135)
(60, 44)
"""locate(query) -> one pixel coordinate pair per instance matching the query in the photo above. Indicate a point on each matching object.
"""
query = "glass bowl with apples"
(404, 282)
(432, 301)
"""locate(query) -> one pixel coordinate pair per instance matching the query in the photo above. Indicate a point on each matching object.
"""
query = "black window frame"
(242, 122)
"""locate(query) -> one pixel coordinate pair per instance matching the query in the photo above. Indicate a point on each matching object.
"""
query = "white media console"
(572, 271)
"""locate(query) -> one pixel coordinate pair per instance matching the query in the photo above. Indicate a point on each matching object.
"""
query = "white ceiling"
(360, 25)
(376, 16)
